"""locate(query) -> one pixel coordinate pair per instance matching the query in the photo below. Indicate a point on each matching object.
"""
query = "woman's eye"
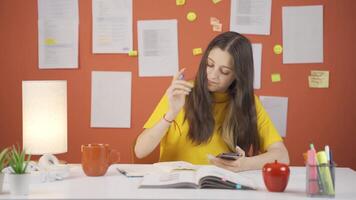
(225, 72)
(209, 65)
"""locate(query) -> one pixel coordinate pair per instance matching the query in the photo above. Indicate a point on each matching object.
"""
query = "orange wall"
(322, 116)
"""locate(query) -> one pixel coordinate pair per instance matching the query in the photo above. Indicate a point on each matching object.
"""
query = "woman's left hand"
(240, 164)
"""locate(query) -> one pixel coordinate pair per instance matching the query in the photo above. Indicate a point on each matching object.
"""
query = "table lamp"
(44, 116)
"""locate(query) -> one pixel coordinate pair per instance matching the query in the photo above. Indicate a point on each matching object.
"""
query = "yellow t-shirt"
(175, 145)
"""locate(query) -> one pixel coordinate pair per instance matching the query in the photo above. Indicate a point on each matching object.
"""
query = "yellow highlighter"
(325, 175)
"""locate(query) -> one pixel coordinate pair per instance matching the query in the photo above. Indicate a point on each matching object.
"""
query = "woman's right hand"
(176, 93)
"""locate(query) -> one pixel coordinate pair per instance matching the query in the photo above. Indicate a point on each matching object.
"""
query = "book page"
(175, 165)
(175, 179)
(225, 175)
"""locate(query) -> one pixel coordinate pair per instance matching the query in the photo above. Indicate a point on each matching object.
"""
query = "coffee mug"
(96, 158)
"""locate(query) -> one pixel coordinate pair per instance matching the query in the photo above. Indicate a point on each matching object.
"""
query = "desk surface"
(118, 186)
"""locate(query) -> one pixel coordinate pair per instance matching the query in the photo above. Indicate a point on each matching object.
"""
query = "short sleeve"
(266, 129)
(158, 113)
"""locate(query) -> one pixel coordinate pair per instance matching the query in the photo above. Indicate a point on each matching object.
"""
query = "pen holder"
(320, 180)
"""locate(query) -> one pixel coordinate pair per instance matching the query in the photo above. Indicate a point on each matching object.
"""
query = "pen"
(327, 152)
(121, 171)
(332, 165)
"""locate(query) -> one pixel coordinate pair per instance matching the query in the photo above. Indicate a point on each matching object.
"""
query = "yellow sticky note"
(217, 27)
(180, 2)
(276, 77)
(215, 1)
(197, 51)
(191, 16)
(277, 49)
(132, 53)
(50, 41)
(317, 82)
(319, 79)
(320, 73)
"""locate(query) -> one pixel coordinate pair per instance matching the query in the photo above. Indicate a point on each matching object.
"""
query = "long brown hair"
(240, 123)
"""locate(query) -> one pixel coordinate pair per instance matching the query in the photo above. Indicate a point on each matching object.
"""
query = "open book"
(207, 176)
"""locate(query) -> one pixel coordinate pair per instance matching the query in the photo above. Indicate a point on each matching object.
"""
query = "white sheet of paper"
(276, 108)
(257, 59)
(58, 23)
(302, 34)
(111, 99)
(112, 26)
(251, 16)
(55, 10)
(57, 44)
(158, 47)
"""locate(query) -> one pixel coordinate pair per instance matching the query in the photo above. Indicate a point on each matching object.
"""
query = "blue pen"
(332, 165)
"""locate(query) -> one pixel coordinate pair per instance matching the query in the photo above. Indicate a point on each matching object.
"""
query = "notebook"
(187, 175)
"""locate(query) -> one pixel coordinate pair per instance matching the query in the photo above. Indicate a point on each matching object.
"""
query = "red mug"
(96, 158)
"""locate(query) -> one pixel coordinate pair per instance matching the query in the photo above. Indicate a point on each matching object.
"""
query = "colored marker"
(313, 187)
(325, 175)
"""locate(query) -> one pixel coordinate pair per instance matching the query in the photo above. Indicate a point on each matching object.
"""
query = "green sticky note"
(276, 77)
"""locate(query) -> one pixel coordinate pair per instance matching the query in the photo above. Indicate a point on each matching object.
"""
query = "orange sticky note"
(133, 53)
(197, 51)
(276, 77)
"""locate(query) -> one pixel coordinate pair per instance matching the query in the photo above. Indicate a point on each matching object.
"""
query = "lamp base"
(63, 162)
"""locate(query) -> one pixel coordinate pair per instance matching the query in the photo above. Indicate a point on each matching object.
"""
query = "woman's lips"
(212, 82)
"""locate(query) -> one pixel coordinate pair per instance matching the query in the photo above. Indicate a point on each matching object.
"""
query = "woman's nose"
(215, 73)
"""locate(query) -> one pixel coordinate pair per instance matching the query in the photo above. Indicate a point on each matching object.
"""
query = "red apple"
(275, 176)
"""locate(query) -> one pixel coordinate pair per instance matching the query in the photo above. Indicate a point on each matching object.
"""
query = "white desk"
(117, 186)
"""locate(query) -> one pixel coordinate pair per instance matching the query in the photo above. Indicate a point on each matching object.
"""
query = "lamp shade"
(44, 116)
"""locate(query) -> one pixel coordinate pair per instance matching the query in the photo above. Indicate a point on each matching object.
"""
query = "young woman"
(216, 113)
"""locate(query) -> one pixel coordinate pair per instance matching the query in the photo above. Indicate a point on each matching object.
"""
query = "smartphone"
(228, 156)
